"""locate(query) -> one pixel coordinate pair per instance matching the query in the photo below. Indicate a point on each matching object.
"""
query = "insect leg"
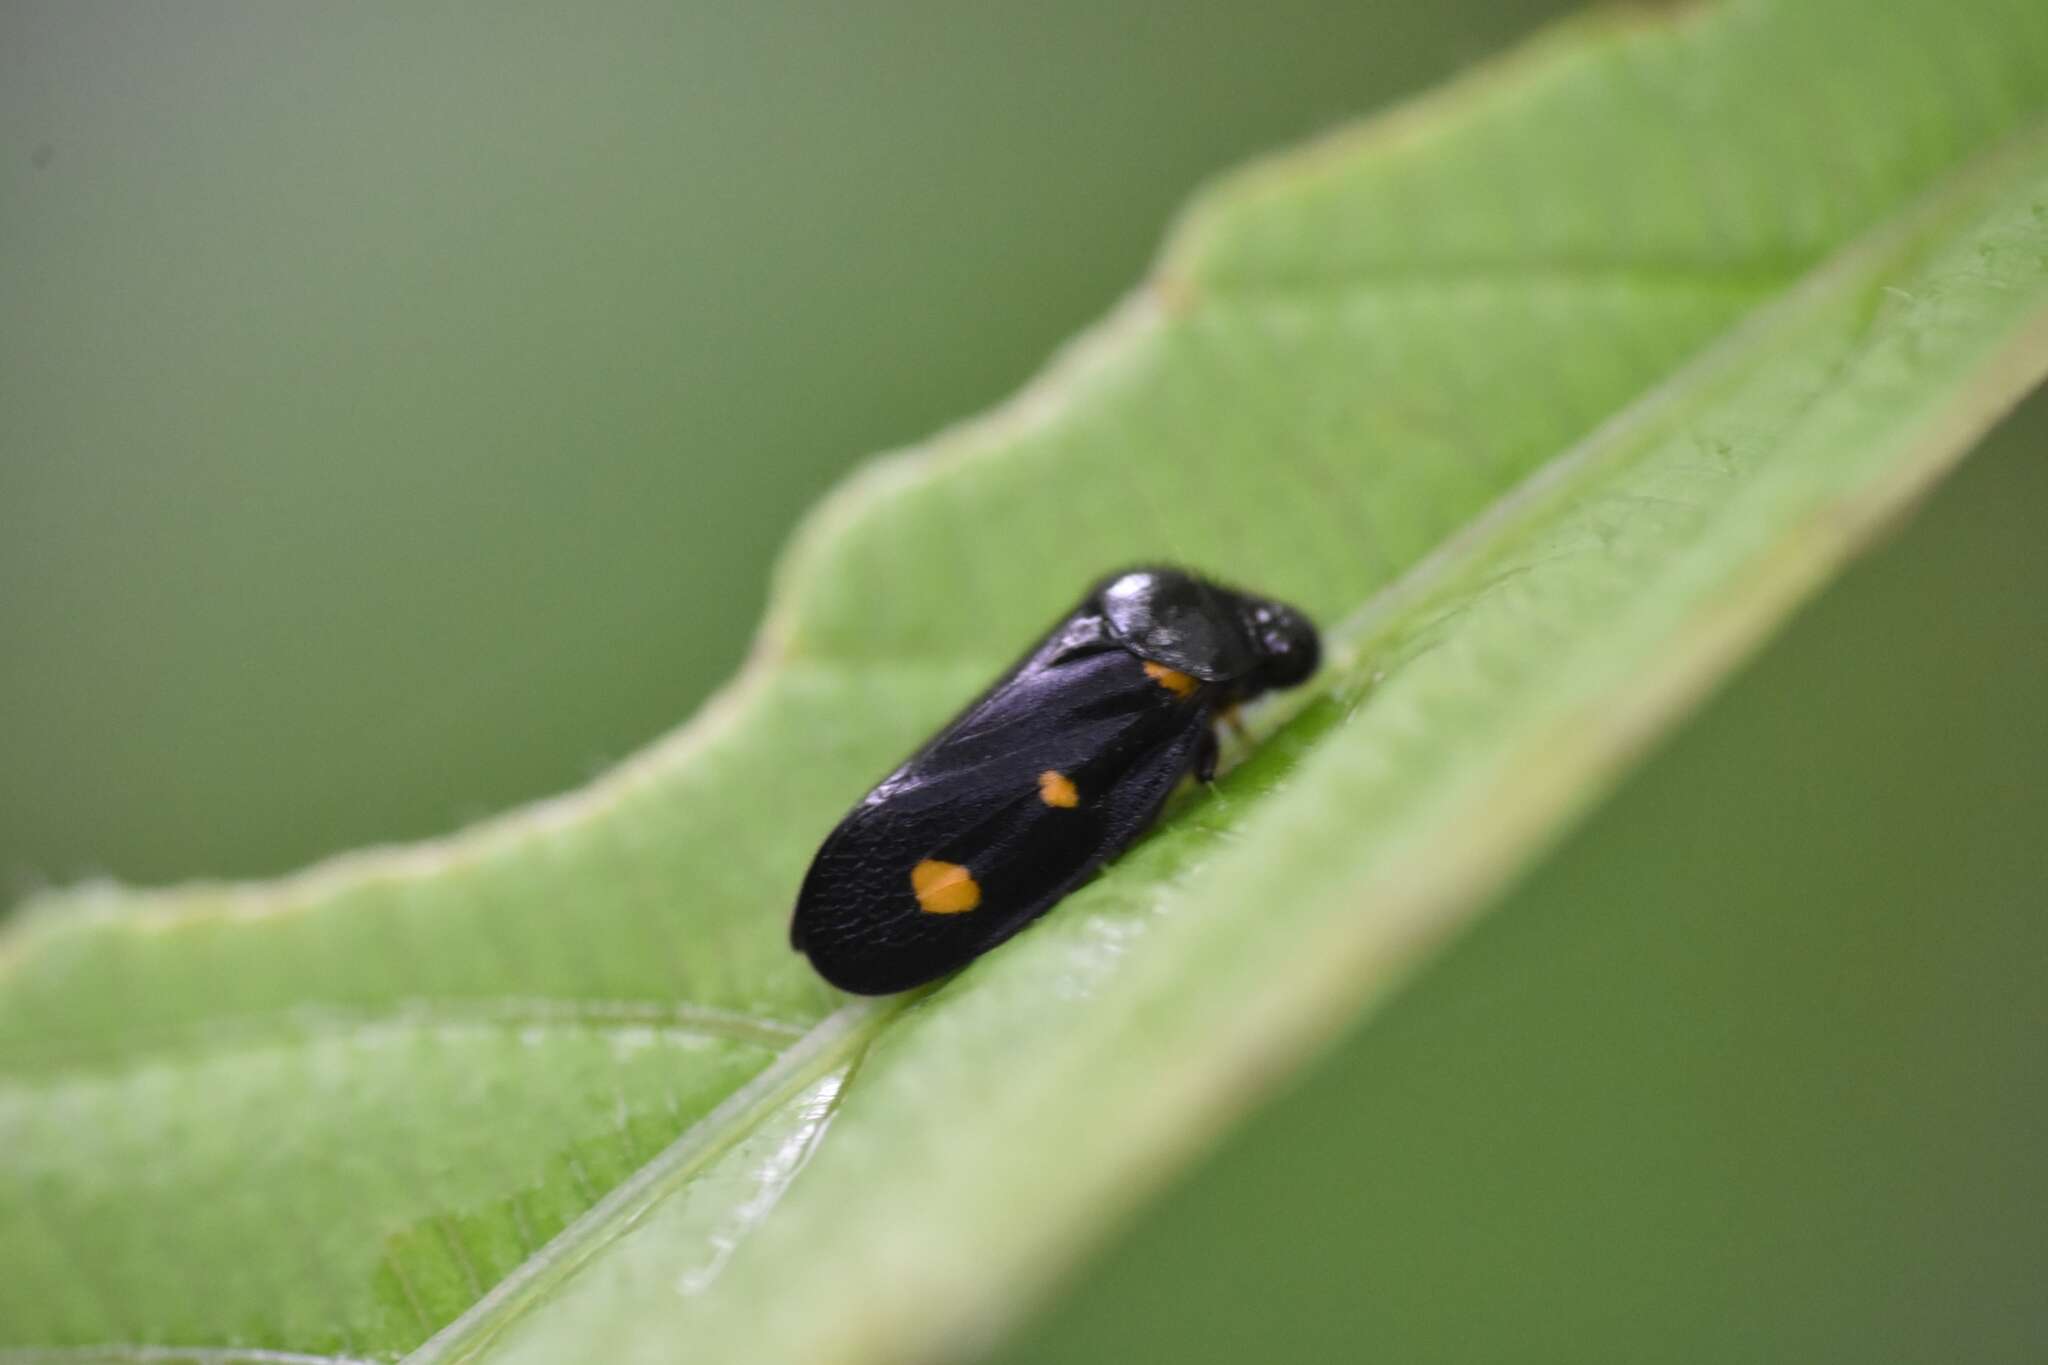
(1233, 716)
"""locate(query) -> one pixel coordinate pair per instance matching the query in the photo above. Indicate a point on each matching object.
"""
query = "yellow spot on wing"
(1057, 789)
(944, 888)
(1172, 679)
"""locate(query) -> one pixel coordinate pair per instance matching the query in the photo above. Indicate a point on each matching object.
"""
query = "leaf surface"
(1550, 393)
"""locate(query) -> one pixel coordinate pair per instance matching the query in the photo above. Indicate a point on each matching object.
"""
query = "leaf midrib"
(838, 1040)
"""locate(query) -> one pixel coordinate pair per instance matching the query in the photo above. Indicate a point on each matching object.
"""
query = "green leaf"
(1551, 393)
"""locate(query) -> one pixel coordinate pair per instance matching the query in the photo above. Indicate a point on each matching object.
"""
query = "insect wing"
(1017, 802)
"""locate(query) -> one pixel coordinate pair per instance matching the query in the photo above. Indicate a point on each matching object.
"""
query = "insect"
(1049, 774)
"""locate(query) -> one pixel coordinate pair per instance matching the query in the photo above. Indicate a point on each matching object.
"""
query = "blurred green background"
(400, 404)
(399, 409)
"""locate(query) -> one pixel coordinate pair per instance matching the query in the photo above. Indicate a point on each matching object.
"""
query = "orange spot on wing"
(944, 888)
(1172, 679)
(1057, 789)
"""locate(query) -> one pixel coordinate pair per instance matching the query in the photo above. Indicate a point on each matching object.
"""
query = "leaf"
(1552, 392)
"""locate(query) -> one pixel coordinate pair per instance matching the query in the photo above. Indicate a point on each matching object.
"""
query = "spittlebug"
(1045, 777)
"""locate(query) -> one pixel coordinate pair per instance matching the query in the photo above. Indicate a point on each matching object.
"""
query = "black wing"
(1052, 773)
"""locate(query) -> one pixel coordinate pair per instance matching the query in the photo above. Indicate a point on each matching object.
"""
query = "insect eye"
(1290, 644)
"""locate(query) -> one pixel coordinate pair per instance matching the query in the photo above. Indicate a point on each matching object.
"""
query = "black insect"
(1048, 775)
